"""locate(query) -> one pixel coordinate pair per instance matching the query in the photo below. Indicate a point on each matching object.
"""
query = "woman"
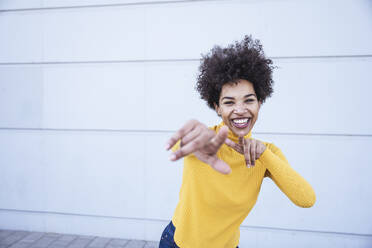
(223, 165)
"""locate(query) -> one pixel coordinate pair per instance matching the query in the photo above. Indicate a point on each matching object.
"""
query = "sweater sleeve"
(292, 184)
(176, 146)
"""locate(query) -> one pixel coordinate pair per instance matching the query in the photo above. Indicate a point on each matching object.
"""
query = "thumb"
(221, 136)
(229, 142)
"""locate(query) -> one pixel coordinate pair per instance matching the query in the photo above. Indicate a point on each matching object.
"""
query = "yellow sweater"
(213, 205)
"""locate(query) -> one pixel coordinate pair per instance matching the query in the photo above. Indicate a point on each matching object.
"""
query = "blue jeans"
(167, 237)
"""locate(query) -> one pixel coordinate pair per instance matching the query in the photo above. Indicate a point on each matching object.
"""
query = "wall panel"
(163, 178)
(319, 96)
(94, 34)
(264, 238)
(74, 224)
(282, 30)
(22, 171)
(95, 173)
(22, 37)
(159, 31)
(171, 96)
(109, 96)
(21, 96)
(162, 96)
(21, 4)
(61, 3)
(89, 173)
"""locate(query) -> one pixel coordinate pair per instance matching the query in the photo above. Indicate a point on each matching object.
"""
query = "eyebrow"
(232, 98)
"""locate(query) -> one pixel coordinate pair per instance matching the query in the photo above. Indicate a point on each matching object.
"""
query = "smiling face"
(238, 106)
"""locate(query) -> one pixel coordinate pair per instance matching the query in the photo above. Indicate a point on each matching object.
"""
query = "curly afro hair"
(241, 60)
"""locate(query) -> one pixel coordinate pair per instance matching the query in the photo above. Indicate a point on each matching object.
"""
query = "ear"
(217, 108)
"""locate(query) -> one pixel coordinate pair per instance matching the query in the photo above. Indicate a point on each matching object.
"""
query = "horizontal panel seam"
(172, 60)
(163, 220)
(104, 5)
(168, 131)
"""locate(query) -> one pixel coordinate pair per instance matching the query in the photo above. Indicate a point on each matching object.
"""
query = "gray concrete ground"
(24, 239)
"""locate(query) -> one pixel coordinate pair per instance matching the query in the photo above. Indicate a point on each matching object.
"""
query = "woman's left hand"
(250, 148)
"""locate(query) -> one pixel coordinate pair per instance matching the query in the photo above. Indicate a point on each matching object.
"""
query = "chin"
(240, 132)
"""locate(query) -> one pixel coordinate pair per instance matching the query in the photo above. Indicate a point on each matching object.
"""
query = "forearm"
(292, 184)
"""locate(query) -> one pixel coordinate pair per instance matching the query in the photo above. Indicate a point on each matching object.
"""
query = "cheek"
(255, 112)
(225, 113)
(255, 109)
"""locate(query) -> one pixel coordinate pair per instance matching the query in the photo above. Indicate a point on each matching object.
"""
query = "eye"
(249, 100)
(228, 103)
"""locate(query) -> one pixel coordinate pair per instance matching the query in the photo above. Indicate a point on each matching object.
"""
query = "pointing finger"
(247, 156)
(253, 152)
(241, 141)
(233, 145)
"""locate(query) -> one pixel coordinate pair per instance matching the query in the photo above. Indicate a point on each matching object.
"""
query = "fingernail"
(172, 157)
(167, 146)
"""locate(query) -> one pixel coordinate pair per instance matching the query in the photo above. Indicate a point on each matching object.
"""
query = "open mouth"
(241, 122)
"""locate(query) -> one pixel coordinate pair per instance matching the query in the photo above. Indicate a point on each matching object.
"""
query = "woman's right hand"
(204, 143)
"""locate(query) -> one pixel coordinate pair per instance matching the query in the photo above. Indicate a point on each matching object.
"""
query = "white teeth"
(241, 121)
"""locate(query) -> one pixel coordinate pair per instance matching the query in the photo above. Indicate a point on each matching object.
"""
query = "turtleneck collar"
(232, 136)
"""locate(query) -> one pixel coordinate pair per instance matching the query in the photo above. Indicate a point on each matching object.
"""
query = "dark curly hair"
(241, 60)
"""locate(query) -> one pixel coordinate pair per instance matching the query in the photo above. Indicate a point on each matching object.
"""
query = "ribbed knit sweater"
(212, 205)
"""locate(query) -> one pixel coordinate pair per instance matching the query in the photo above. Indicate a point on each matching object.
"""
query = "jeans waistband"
(172, 227)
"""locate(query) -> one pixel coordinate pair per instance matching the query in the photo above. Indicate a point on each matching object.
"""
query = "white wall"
(91, 90)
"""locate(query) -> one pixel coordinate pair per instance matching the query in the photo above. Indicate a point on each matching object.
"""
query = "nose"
(240, 109)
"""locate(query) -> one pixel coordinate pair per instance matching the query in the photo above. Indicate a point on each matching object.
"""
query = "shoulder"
(215, 128)
(272, 147)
